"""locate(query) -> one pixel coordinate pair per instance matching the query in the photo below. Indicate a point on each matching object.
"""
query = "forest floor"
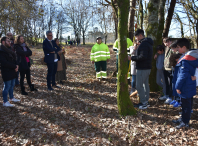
(84, 111)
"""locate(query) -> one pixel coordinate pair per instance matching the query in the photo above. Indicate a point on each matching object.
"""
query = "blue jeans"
(133, 82)
(8, 88)
(17, 79)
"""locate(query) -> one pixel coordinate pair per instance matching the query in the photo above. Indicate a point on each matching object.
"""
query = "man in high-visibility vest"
(115, 48)
(99, 57)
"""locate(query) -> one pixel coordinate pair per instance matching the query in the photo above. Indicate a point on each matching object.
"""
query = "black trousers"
(22, 76)
(168, 81)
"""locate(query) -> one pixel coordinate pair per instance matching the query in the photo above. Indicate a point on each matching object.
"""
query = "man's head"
(160, 49)
(5, 41)
(167, 41)
(173, 46)
(49, 35)
(99, 40)
(9, 35)
(139, 34)
(183, 45)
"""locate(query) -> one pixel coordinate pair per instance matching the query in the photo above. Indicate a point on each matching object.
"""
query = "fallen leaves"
(84, 112)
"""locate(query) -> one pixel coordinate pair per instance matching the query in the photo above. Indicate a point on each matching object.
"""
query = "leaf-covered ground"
(84, 111)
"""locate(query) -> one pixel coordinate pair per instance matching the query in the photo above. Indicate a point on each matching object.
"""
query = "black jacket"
(8, 65)
(21, 54)
(144, 54)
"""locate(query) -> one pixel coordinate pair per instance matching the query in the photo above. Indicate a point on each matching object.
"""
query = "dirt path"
(84, 112)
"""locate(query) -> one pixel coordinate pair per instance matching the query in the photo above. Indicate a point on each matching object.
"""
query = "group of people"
(176, 64)
(176, 69)
(73, 42)
(15, 59)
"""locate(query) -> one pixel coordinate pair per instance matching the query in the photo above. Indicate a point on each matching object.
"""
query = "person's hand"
(155, 57)
(178, 91)
(193, 78)
(135, 47)
(92, 62)
(129, 57)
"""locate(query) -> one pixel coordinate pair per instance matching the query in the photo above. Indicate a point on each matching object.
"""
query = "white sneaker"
(7, 104)
(163, 97)
(14, 100)
(168, 101)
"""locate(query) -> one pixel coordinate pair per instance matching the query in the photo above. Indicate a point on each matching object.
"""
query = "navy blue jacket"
(144, 54)
(47, 48)
(186, 68)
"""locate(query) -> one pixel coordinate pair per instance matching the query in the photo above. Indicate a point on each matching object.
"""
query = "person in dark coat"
(51, 58)
(9, 70)
(10, 36)
(23, 53)
(143, 61)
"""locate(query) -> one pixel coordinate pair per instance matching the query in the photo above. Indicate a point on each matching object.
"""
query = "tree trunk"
(83, 37)
(169, 18)
(181, 25)
(131, 19)
(116, 25)
(105, 38)
(141, 14)
(197, 32)
(125, 106)
(152, 31)
(160, 21)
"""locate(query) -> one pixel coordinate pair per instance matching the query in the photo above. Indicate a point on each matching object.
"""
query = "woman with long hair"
(61, 69)
(23, 53)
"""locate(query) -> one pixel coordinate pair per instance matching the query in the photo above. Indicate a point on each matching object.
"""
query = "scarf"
(25, 49)
(24, 46)
(9, 51)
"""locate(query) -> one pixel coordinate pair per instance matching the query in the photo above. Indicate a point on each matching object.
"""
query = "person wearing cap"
(99, 57)
(115, 49)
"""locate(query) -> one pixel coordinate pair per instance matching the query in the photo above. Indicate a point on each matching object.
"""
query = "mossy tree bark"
(141, 14)
(125, 106)
(152, 31)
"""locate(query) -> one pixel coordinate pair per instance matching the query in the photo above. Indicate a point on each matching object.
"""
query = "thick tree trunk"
(125, 106)
(169, 18)
(152, 31)
(160, 21)
(131, 19)
(141, 14)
